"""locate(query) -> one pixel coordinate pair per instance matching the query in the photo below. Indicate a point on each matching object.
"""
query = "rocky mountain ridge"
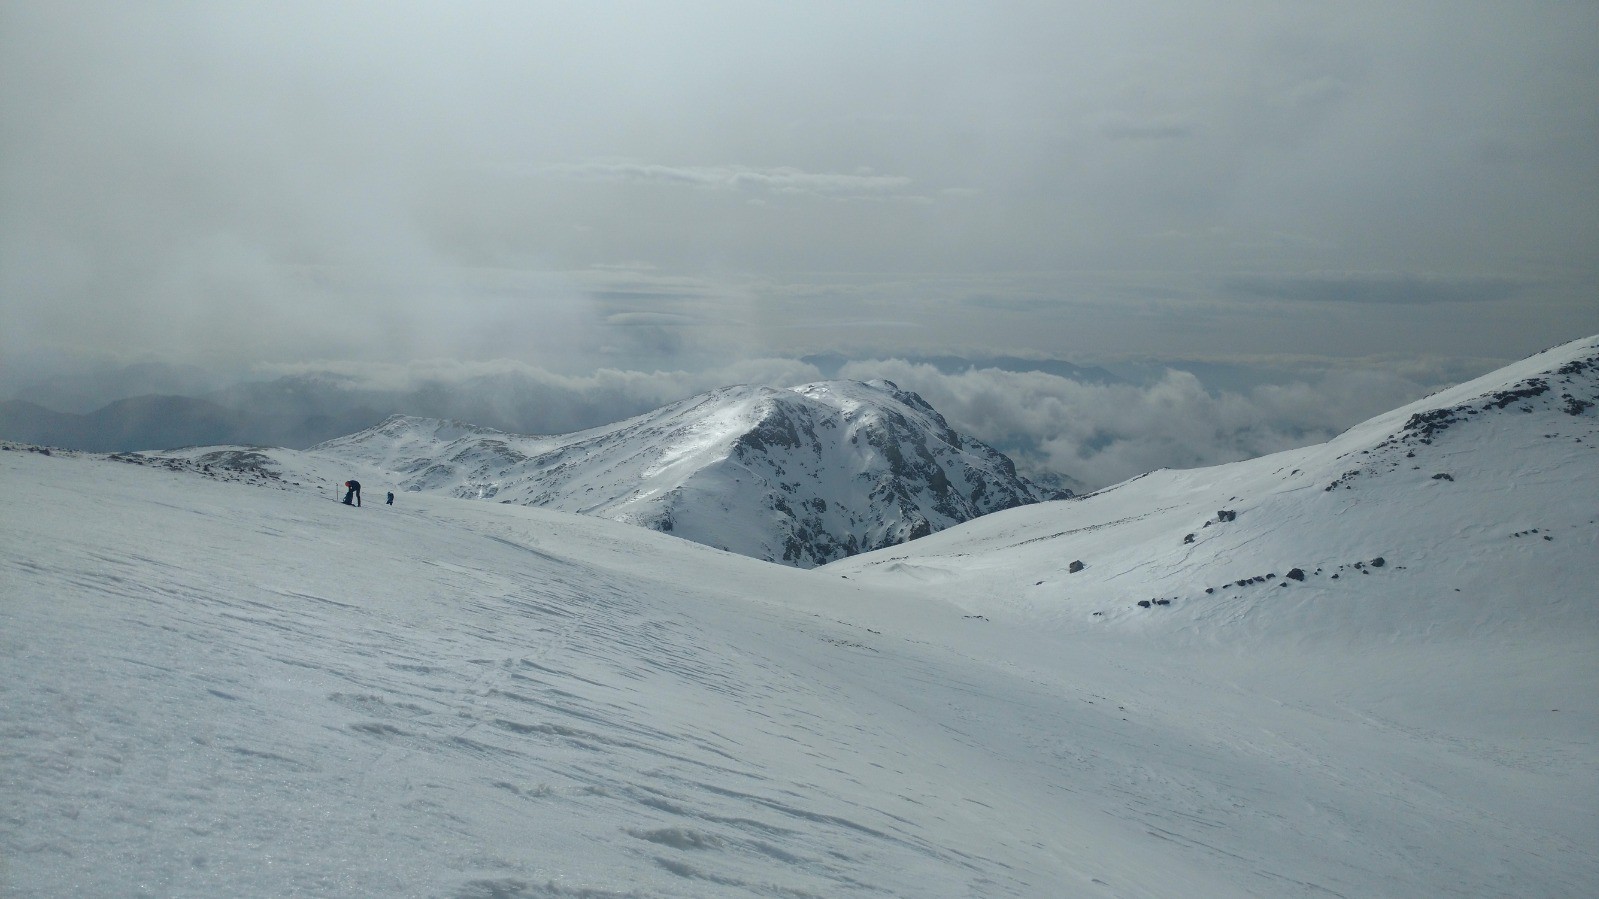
(801, 476)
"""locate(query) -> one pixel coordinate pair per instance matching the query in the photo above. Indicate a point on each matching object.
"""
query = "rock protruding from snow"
(802, 476)
(1397, 526)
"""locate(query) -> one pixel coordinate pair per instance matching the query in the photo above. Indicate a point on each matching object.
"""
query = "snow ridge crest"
(803, 475)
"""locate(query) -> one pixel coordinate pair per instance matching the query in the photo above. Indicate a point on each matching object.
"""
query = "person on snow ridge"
(352, 489)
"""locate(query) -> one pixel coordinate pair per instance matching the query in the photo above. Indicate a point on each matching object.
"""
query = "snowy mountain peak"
(802, 475)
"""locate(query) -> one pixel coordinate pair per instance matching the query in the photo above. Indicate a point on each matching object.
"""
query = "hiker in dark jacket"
(352, 489)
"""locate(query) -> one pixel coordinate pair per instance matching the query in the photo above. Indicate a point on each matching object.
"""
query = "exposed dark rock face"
(928, 476)
(1343, 479)
(1423, 425)
(1075, 567)
(248, 466)
(1530, 388)
(1578, 392)
(243, 460)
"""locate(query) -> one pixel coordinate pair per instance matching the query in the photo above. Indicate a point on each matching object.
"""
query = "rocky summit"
(803, 476)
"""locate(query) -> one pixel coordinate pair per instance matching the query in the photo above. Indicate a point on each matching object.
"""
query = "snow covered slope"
(219, 681)
(1472, 512)
(801, 476)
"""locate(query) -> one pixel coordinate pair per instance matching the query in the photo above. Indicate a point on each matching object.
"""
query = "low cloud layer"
(261, 183)
(507, 395)
(1409, 290)
(1060, 430)
(1101, 434)
(1087, 435)
(623, 201)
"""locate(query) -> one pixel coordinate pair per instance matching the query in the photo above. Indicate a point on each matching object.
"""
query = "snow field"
(226, 683)
(215, 688)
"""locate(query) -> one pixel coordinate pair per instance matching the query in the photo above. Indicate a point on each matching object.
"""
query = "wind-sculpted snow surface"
(216, 680)
(217, 689)
(801, 476)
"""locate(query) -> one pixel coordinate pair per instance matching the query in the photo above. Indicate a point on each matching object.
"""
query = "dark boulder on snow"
(1297, 574)
(1075, 567)
(1378, 562)
(1227, 515)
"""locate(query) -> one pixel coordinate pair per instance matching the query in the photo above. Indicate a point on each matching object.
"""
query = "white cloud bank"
(1101, 434)
(1093, 434)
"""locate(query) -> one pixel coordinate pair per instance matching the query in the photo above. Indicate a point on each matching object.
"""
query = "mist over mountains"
(802, 476)
(830, 364)
(1260, 284)
(1467, 494)
(1069, 426)
(1360, 668)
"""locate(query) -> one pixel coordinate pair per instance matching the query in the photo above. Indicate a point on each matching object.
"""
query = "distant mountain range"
(297, 411)
(290, 412)
(159, 422)
(809, 475)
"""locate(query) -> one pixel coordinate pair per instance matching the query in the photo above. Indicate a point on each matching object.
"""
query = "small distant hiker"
(391, 497)
(352, 489)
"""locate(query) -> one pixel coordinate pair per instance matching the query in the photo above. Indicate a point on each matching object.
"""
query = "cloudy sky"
(679, 186)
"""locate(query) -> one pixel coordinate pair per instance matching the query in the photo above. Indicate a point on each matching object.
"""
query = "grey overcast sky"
(637, 185)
